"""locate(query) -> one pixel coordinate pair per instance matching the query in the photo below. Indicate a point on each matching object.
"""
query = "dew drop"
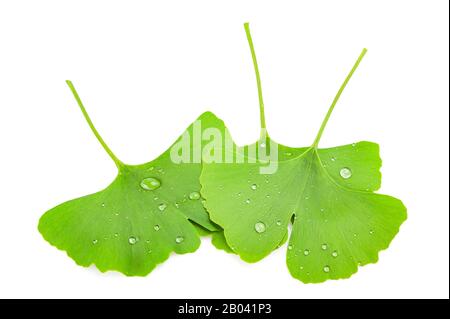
(194, 196)
(239, 194)
(95, 241)
(322, 210)
(116, 235)
(103, 205)
(333, 159)
(288, 154)
(353, 144)
(306, 252)
(334, 254)
(345, 173)
(324, 246)
(254, 186)
(150, 183)
(371, 232)
(260, 227)
(179, 239)
(326, 269)
(278, 222)
(162, 207)
(290, 247)
(156, 227)
(263, 145)
(247, 201)
(151, 168)
(132, 240)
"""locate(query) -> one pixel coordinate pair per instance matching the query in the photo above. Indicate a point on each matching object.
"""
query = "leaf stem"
(336, 98)
(118, 163)
(258, 80)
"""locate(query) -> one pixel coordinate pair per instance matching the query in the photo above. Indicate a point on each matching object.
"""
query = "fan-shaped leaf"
(327, 194)
(147, 212)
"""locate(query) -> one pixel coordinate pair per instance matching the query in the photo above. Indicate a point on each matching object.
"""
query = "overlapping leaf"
(338, 222)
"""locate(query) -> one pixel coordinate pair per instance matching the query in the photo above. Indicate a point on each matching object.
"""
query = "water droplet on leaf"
(326, 269)
(345, 173)
(179, 239)
(260, 227)
(194, 195)
(162, 207)
(150, 183)
(132, 240)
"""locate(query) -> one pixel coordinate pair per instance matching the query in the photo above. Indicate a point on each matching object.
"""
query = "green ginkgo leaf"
(147, 212)
(338, 222)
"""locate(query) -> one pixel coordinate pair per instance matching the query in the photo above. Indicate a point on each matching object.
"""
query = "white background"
(146, 69)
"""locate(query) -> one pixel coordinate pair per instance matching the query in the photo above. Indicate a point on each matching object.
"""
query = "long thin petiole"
(336, 98)
(258, 80)
(118, 163)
